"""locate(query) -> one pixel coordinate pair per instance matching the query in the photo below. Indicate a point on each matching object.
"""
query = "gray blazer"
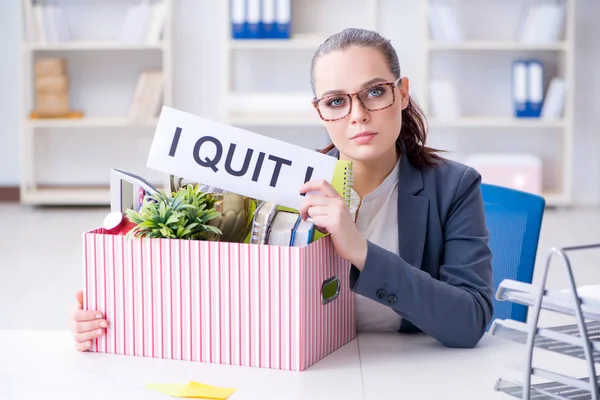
(441, 283)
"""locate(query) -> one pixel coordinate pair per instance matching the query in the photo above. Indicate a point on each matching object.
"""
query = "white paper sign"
(235, 159)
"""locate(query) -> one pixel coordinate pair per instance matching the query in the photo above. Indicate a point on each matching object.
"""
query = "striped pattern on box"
(227, 303)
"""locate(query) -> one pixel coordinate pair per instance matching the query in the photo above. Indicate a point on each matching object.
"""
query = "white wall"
(9, 92)
(197, 73)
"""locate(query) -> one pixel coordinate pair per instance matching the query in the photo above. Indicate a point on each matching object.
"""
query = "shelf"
(496, 122)
(87, 196)
(90, 46)
(555, 199)
(491, 45)
(544, 391)
(308, 42)
(559, 339)
(274, 120)
(557, 301)
(91, 122)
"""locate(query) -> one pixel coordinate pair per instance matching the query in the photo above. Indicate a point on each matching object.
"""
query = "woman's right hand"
(86, 325)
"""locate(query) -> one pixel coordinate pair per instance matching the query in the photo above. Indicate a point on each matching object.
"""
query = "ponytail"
(413, 135)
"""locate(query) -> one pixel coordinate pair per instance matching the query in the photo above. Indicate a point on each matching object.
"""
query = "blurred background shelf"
(93, 45)
(496, 122)
(91, 122)
(80, 196)
(469, 60)
(302, 42)
(492, 45)
(115, 61)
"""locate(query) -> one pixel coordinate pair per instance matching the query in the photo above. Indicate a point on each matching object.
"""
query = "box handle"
(330, 290)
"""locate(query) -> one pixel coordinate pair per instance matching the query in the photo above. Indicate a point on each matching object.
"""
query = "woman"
(415, 232)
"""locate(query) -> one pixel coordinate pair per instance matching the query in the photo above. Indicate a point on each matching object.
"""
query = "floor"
(40, 259)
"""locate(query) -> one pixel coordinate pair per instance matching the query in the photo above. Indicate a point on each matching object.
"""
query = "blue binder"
(528, 88)
(535, 88)
(519, 92)
(267, 19)
(238, 19)
(283, 17)
(253, 18)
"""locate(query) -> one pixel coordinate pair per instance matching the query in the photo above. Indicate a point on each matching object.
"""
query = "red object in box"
(117, 223)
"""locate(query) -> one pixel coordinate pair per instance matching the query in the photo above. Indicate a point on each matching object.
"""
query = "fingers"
(81, 327)
(85, 315)
(87, 336)
(86, 325)
(316, 211)
(321, 222)
(79, 298)
(320, 185)
(313, 201)
(83, 346)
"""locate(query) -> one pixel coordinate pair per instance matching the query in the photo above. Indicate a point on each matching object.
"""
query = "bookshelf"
(309, 30)
(108, 47)
(558, 54)
(306, 36)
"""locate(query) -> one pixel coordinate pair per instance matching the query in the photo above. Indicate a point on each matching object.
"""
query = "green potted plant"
(185, 215)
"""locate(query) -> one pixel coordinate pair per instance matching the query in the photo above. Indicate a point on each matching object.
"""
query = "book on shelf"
(144, 22)
(147, 95)
(542, 24)
(46, 22)
(443, 24)
(554, 103)
(260, 19)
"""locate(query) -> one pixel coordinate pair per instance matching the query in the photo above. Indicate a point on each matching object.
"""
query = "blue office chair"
(514, 220)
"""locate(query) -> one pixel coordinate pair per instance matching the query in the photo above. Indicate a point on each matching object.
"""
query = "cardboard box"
(51, 104)
(52, 83)
(228, 303)
(50, 66)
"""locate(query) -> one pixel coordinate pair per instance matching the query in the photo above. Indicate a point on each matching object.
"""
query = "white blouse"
(376, 222)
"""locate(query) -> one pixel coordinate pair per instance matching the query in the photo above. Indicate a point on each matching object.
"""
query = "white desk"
(420, 368)
(44, 364)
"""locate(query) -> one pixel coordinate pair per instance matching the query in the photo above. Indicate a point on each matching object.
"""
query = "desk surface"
(45, 364)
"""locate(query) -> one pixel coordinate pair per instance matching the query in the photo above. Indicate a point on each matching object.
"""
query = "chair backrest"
(514, 220)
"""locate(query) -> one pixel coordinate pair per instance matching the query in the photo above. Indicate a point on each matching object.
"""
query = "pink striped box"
(228, 303)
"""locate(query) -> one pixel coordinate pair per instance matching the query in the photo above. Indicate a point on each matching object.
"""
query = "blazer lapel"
(412, 213)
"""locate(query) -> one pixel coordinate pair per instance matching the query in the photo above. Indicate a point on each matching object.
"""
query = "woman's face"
(362, 135)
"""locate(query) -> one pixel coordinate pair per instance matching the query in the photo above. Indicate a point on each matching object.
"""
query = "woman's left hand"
(329, 212)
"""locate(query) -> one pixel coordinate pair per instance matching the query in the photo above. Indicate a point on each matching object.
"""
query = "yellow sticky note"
(200, 390)
(193, 390)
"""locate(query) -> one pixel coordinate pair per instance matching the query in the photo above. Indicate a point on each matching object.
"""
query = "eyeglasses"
(373, 98)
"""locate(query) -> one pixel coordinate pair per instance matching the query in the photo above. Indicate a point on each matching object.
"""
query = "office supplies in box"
(280, 300)
(127, 191)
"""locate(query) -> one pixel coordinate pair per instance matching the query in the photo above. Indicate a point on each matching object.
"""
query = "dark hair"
(413, 132)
